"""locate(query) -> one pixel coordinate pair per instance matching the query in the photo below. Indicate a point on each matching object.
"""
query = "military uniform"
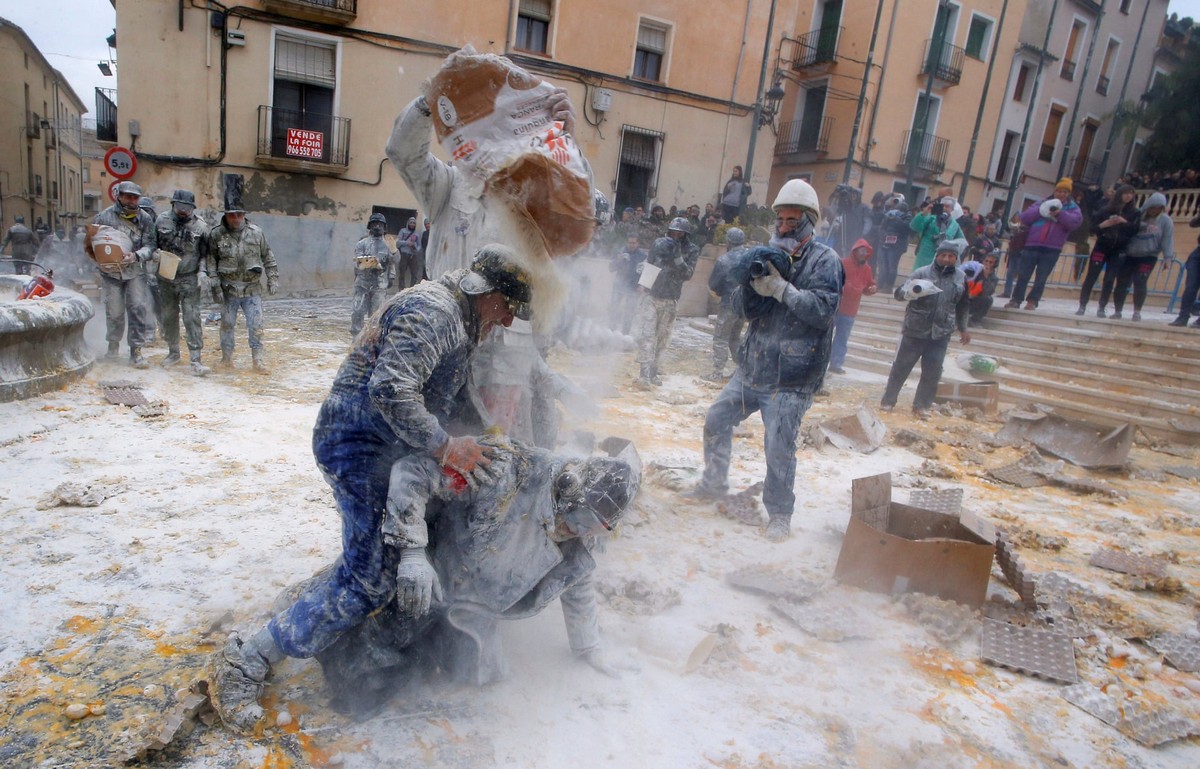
(372, 259)
(126, 291)
(238, 260)
(24, 246)
(189, 241)
(677, 260)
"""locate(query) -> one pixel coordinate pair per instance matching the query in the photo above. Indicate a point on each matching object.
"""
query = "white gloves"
(417, 584)
(772, 284)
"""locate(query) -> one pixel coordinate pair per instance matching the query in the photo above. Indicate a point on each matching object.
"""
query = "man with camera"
(789, 293)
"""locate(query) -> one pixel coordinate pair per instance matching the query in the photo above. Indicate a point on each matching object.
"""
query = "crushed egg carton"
(1180, 650)
(773, 581)
(1014, 571)
(1033, 651)
(947, 501)
(1128, 563)
(827, 619)
(1148, 725)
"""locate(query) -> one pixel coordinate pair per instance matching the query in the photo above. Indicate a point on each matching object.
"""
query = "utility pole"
(987, 82)
(1087, 64)
(758, 100)
(1112, 133)
(1037, 82)
(862, 98)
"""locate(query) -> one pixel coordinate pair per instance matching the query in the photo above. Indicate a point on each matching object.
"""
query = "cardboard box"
(894, 548)
(981, 395)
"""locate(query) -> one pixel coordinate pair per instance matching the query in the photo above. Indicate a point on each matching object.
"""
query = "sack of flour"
(494, 120)
(108, 246)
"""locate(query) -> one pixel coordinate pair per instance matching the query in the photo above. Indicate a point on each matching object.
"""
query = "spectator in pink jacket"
(1050, 222)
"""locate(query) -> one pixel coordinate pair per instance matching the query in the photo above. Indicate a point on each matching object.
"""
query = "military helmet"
(128, 188)
(147, 205)
(19, 219)
(679, 224)
(495, 268)
(183, 198)
(734, 236)
(380, 218)
(604, 485)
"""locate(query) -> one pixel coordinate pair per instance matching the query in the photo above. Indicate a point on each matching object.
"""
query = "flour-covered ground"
(210, 511)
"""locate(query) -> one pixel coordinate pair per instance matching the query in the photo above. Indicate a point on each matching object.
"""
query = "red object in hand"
(458, 481)
(38, 287)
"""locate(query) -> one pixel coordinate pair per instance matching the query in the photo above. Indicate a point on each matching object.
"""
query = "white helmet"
(797, 192)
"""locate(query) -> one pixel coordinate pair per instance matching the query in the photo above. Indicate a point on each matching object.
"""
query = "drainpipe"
(887, 53)
(1087, 64)
(1112, 133)
(512, 13)
(987, 82)
(762, 80)
(862, 98)
(1037, 82)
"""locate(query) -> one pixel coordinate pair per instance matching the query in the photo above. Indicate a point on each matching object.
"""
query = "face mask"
(376, 230)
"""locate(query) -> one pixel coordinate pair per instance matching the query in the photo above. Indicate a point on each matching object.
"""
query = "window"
(305, 78)
(1074, 41)
(979, 37)
(637, 169)
(87, 174)
(1125, 6)
(533, 26)
(651, 49)
(1106, 67)
(1022, 83)
(1004, 164)
(1050, 135)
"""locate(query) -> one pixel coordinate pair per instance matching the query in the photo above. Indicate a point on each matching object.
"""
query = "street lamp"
(105, 69)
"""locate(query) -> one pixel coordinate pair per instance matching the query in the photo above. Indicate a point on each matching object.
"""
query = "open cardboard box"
(894, 548)
(984, 396)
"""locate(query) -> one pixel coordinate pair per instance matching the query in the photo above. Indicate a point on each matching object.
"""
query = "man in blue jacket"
(782, 360)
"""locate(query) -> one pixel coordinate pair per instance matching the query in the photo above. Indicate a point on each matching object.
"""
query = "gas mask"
(376, 230)
(797, 237)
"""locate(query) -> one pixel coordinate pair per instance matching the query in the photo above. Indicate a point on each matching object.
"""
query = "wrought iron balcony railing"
(1085, 171)
(1068, 70)
(927, 152)
(816, 47)
(944, 60)
(1102, 84)
(106, 114)
(800, 136)
(303, 140)
(335, 11)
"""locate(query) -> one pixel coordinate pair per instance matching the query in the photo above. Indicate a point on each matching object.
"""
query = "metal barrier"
(1166, 280)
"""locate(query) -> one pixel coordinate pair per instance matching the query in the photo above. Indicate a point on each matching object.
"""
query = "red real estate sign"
(305, 144)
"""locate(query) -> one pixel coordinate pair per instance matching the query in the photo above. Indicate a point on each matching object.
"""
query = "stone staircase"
(1103, 371)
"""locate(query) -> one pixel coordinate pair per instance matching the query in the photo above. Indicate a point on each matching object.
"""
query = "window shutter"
(303, 61)
(537, 9)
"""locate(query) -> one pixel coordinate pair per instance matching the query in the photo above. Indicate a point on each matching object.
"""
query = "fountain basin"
(41, 340)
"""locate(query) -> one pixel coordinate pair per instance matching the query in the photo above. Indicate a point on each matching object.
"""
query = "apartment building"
(664, 94)
(41, 166)
(932, 97)
(1079, 68)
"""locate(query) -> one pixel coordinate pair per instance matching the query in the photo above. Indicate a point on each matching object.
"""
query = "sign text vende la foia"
(305, 144)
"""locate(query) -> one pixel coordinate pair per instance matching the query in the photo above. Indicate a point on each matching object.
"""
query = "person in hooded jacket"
(934, 225)
(859, 282)
(784, 355)
(398, 394)
(929, 322)
(1050, 222)
(1113, 225)
(1155, 235)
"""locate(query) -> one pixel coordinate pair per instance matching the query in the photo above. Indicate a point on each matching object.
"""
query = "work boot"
(714, 376)
(1178, 322)
(1116, 315)
(1137, 315)
(226, 359)
(645, 379)
(171, 359)
(704, 493)
(260, 360)
(1031, 305)
(198, 368)
(655, 379)
(779, 528)
(1100, 313)
(136, 359)
(238, 676)
(1082, 309)
(114, 351)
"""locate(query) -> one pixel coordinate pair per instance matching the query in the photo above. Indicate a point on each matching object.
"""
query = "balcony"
(1068, 70)
(1102, 84)
(303, 142)
(106, 114)
(799, 136)
(51, 139)
(321, 11)
(944, 60)
(33, 125)
(927, 152)
(816, 47)
(1085, 171)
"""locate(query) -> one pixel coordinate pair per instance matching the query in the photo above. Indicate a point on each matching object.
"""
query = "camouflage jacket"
(140, 229)
(371, 277)
(238, 258)
(677, 260)
(188, 240)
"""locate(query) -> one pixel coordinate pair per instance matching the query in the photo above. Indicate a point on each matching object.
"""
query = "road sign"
(112, 190)
(120, 162)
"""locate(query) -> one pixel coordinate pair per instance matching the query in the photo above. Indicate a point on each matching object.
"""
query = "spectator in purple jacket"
(1050, 222)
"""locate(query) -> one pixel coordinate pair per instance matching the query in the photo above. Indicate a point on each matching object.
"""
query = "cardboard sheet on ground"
(895, 548)
(861, 431)
(1080, 443)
